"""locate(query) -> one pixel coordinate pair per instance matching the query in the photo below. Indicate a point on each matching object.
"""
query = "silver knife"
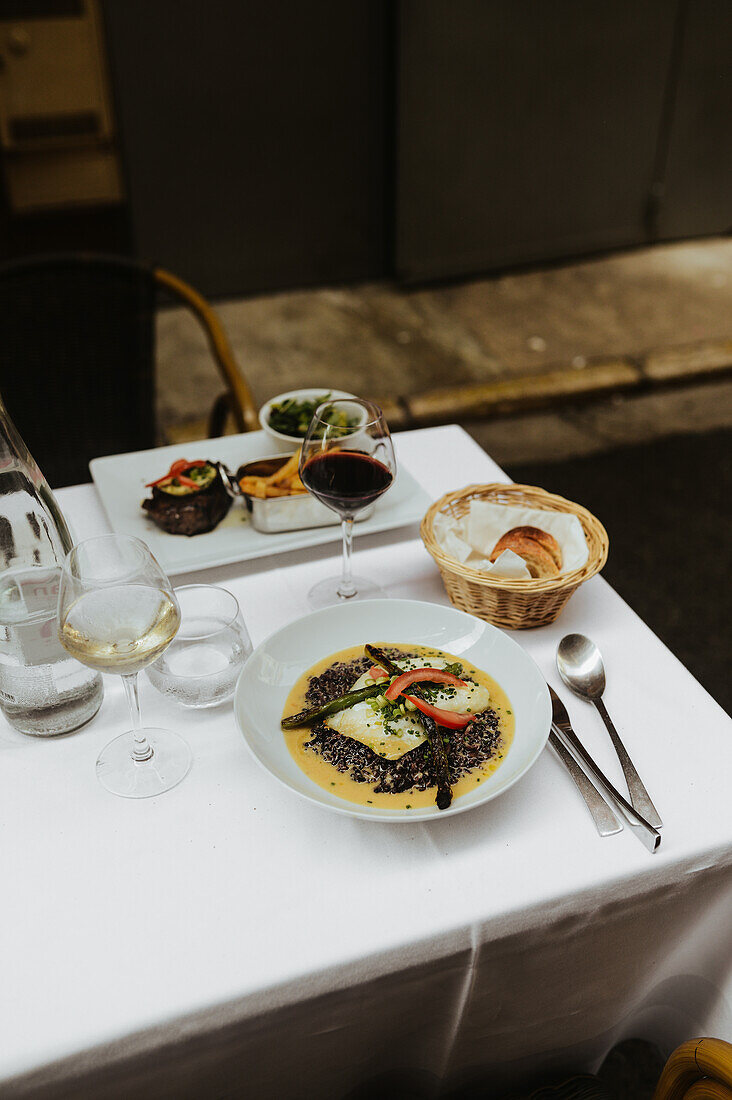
(605, 820)
(563, 729)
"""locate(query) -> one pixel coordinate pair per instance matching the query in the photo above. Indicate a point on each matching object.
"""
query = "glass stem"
(141, 750)
(347, 588)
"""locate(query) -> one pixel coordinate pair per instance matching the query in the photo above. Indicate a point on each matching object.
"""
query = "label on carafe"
(28, 601)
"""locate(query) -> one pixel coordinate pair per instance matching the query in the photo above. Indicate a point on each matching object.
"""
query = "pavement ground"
(543, 363)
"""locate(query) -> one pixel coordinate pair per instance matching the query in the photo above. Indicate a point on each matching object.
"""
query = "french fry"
(282, 483)
(287, 471)
(255, 486)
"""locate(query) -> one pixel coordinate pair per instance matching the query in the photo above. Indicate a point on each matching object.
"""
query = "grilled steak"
(181, 509)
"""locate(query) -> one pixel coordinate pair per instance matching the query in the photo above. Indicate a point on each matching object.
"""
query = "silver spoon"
(579, 662)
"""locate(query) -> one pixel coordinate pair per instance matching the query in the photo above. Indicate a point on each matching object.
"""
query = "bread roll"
(547, 541)
(539, 549)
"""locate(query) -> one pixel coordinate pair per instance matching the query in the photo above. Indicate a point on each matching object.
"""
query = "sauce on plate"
(323, 773)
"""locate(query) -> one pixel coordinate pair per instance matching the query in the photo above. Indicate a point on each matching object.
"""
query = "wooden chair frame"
(237, 399)
(699, 1069)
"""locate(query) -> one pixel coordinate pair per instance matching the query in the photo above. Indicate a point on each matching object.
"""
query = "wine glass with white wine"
(117, 612)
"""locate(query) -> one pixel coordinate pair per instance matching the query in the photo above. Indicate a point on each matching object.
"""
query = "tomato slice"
(377, 673)
(176, 470)
(451, 720)
(417, 675)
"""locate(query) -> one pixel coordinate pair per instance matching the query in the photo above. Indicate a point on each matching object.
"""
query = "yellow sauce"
(340, 783)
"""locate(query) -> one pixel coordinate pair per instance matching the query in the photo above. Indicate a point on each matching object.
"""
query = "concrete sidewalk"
(617, 349)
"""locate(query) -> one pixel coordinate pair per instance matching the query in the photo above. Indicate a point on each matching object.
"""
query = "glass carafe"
(42, 690)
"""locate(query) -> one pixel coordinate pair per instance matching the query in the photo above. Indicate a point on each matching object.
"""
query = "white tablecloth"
(227, 938)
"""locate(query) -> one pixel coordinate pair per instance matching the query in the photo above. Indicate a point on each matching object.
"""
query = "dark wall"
(253, 137)
(282, 144)
(697, 174)
(527, 130)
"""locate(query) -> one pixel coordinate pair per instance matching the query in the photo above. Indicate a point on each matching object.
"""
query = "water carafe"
(43, 691)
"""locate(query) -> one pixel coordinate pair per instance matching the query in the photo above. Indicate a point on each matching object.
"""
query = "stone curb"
(656, 370)
(508, 396)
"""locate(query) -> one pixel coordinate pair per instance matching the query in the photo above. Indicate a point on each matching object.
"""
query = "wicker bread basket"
(512, 603)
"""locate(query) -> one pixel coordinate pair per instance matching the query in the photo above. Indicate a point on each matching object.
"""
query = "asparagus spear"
(439, 755)
(342, 702)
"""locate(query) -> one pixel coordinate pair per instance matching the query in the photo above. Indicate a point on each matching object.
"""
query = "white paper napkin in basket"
(470, 540)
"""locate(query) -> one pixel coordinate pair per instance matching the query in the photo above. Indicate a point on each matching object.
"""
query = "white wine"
(121, 629)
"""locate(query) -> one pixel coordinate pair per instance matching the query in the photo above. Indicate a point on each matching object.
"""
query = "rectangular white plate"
(121, 480)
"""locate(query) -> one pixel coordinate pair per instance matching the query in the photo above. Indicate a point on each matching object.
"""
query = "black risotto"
(466, 749)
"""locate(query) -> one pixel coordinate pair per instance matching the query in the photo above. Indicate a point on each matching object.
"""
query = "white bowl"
(275, 665)
(294, 441)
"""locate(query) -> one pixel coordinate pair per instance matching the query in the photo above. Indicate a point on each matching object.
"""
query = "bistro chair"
(77, 357)
(699, 1069)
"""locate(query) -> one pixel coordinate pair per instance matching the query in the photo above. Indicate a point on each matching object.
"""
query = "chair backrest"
(699, 1069)
(77, 348)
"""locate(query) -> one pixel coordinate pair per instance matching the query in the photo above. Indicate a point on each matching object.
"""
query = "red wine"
(346, 481)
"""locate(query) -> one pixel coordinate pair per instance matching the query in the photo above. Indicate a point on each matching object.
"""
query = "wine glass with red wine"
(347, 463)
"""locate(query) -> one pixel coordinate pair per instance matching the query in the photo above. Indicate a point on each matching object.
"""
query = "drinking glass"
(347, 462)
(201, 667)
(117, 612)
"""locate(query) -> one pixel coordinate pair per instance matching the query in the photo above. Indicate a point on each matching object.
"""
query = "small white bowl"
(292, 442)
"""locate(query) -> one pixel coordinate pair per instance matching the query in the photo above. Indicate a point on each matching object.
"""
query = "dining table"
(229, 938)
